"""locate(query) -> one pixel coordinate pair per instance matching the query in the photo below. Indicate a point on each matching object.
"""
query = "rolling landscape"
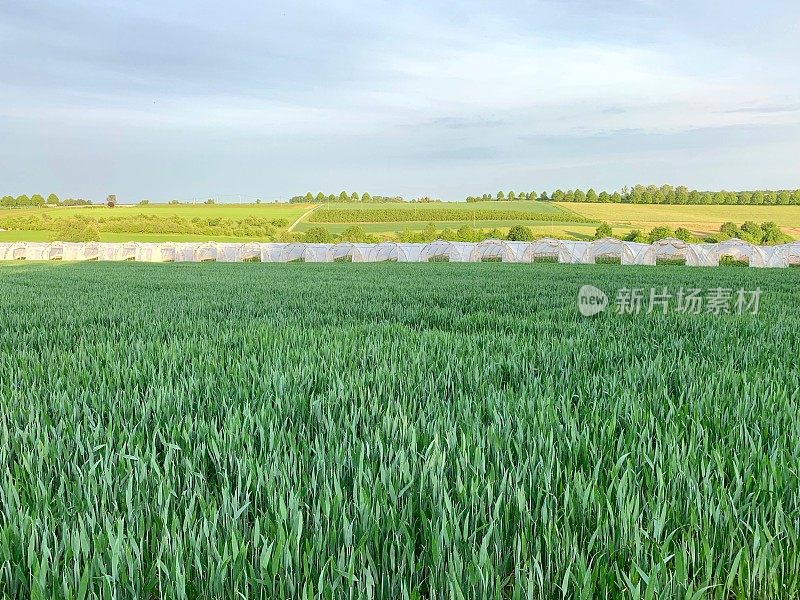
(399, 300)
(380, 221)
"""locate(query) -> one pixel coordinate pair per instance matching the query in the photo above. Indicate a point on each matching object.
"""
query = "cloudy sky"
(188, 99)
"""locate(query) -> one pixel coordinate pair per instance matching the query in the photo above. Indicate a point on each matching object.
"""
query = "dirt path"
(301, 217)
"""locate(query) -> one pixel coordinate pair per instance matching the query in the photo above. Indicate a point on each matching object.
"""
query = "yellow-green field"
(698, 219)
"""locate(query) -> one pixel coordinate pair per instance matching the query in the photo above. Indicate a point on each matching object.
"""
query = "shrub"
(660, 233)
(354, 233)
(74, 230)
(318, 235)
(603, 231)
(520, 233)
(636, 235)
(729, 230)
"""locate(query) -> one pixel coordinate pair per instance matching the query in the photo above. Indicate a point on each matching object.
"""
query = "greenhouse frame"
(542, 250)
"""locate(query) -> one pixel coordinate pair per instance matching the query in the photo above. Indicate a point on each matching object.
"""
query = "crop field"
(129, 220)
(534, 206)
(566, 220)
(188, 211)
(539, 228)
(443, 212)
(700, 219)
(393, 431)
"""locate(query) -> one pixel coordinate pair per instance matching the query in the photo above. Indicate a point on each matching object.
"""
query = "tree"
(637, 236)
(660, 233)
(543, 197)
(729, 230)
(354, 233)
(111, 200)
(365, 197)
(320, 197)
(685, 235)
(579, 196)
(604, 198)
(354, 197)
(429, 233)
(512, 196)
(492, 234)
(520, 233)
(501, 196)
(318, 235)
(772, 234)
(309, 197)
(465, 233)
(751, 232)
(591, 196)
(558, 196)
(52, 199)
(23, 200)
(603, 231)
(343, 197)
(144, 202)
(37, 200)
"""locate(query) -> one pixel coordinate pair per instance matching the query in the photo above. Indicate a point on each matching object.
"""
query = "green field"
(393, 431)
(386, 220)
(228, 211)
(423, 208)
(555, 228)
(441, 212)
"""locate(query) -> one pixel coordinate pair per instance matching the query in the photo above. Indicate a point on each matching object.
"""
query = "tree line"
(651, 194)
(39, 200)
(319, 198)
(366, 197)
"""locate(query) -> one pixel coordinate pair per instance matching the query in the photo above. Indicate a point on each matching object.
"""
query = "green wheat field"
(393, 431)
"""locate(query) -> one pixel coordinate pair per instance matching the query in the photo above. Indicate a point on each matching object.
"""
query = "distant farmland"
(271, 221)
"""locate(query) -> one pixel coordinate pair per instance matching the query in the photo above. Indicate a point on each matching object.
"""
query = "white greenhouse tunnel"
(544, 250)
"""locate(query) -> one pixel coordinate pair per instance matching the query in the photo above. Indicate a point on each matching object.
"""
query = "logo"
(591, 300)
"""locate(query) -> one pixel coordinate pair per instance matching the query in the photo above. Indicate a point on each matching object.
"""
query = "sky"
(244, 100)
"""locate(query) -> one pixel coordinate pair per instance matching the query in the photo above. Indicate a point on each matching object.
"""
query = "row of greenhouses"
(543, 250)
